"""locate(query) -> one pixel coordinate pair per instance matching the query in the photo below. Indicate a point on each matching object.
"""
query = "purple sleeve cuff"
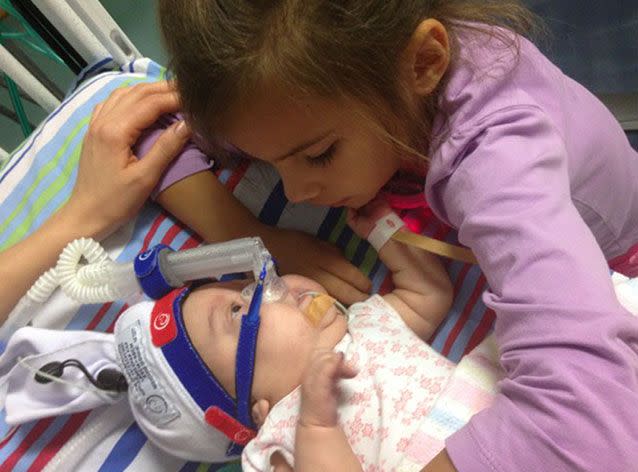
(191, 159)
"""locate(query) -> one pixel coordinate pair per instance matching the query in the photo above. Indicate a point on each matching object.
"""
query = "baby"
(307, 350)
(307, 384)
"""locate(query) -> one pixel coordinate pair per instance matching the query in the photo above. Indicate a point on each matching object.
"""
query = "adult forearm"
(23, 263)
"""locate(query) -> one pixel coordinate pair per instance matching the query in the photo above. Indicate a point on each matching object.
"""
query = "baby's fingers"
(345, 370)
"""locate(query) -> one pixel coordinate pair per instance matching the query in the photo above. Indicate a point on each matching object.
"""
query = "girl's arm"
(110, 188)
(568, 348)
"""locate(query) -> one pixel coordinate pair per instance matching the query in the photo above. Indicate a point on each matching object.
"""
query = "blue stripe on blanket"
(123, 453)
(274, 205)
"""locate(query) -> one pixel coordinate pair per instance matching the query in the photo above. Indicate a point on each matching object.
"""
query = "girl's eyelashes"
(324, 158)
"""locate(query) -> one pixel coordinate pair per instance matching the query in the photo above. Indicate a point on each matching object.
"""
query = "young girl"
(348, 99)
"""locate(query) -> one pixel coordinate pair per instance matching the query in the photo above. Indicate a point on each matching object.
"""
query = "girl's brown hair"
(223, 51)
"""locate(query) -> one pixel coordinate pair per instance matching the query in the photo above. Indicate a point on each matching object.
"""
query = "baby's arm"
(422, 292)
(320, 443)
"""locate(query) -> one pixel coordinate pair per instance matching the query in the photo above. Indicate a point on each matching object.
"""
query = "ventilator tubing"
(85, 273)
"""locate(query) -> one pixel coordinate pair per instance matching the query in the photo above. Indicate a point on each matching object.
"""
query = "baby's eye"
(235, 310)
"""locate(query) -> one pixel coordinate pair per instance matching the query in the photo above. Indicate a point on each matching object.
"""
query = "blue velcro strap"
(149, 273)
(245, 367)
(191, 370)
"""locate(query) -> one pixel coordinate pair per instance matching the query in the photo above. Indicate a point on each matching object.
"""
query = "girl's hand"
(319, 389)
(112, 184)
(299, 253)
(362, 221)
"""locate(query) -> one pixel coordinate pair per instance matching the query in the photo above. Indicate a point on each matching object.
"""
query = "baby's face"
(212, 316)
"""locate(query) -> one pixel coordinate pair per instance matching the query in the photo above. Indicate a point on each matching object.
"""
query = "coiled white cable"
(90, 283)
(79, 281)
(87, 284)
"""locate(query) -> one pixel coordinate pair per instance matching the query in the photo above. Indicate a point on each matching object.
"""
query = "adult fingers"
(126, 94)
(133, 95)
(121, 127)
(96, 112)
(165, 149)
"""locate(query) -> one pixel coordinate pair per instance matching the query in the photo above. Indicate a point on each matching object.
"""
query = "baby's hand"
(362, 221)
(319, 390)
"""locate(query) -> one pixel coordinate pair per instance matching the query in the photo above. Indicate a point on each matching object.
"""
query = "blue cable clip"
(148, 271)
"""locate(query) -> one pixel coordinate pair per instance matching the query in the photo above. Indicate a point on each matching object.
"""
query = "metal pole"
(27, 82)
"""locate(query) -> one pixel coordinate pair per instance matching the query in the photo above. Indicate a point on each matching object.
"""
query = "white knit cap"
(167, 378)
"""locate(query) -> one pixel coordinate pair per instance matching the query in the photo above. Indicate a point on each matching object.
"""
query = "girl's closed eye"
(323, 159)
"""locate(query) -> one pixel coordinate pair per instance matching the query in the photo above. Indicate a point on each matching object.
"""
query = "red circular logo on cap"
(163, 326)
(161, 321)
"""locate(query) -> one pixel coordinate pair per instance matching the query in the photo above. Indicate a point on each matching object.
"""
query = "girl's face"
(324, 151)
(212, 317)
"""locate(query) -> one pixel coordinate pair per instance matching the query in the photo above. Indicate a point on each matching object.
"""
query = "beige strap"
(435, 246)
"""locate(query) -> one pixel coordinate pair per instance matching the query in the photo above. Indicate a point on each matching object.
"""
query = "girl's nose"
(297, 192)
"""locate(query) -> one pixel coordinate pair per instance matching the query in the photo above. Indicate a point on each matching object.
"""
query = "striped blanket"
(38, 178)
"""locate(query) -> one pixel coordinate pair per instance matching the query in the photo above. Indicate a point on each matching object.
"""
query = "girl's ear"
(426, 57)
(260, 410)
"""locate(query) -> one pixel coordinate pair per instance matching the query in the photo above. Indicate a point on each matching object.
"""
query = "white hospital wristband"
(383, 230)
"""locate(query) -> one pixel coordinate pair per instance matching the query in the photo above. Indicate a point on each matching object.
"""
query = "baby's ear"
(260, 411)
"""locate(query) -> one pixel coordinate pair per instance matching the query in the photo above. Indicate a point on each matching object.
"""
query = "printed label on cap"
(144, 388)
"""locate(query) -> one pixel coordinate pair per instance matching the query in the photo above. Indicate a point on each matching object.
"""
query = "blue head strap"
(231, 417)
(246, 350)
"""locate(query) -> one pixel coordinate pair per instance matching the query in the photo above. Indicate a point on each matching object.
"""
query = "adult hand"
(112, 184)
(300, 253)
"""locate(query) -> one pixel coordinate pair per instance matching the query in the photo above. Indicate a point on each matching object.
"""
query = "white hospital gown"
(400, 378)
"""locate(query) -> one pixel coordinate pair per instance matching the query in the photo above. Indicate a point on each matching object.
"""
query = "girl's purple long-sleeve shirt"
(537, 176)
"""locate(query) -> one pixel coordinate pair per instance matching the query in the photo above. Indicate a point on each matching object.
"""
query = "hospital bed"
(38, 176)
